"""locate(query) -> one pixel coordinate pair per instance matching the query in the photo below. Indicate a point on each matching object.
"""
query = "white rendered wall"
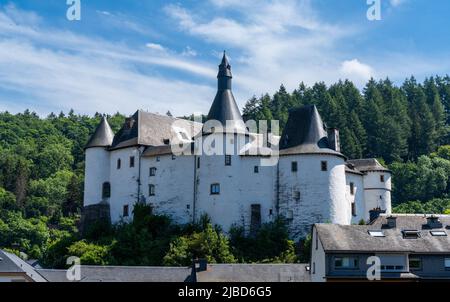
(318, 259)
(124, 183)
(96, 173)
(357, 197)
(322, 193)
(240, 187)
(377, 193)
(174, 186)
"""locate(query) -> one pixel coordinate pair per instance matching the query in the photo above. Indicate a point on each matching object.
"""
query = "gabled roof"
(149, 129)
(10, 263)
(102, 137)
(305, 133)
(368, 164)
(356, 238)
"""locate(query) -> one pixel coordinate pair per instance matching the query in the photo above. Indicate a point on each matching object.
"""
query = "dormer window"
(411, 234)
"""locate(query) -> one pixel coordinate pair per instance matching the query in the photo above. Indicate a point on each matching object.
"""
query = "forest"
(42, 169)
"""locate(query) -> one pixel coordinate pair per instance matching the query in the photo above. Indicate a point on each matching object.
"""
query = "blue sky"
(163, 55)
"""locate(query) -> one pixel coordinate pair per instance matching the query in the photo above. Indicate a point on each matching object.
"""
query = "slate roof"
(305, 133)
(355, 238)
(10, 263)
(224, 107)
(103, 135)
(149, 129)
(368, 164)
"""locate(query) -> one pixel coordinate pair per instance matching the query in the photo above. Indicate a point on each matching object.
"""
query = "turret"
(97, 188)
(312, 173)
(224, 108)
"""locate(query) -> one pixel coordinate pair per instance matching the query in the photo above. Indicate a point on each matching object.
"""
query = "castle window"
(152, 171)
(381, 178)
(255, 218)
(151, 190)
(198, 163)
(352, 188)
(166, 141)
(256, 169)
(119, 164)
(125, 211)
(296, 195)
(227, 160)
(158, 158)
(215, 189)
(294, 166)
(106, 190)
(324, 166)
(271, 212)
(317, 241)
(173, 157)
(353, 209)
(290, 215)
(131, 161)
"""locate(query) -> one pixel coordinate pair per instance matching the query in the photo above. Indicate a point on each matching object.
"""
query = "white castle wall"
(322, 193)
(124, 182)
(357, 197)
(240, 187)
(377, 193)
(96, 173)
(174, 186)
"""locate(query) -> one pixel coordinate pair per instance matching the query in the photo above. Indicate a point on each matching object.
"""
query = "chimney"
(333, 139)
(433, 222)
(392, 222)
(375, 213)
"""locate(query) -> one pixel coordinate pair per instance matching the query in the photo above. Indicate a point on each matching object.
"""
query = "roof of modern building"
(10, 263)
(150, 129)
(356, 238)
(367, 164)
(103, 135)
(305, 133)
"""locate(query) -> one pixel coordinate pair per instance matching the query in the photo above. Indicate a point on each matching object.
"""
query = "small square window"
(381, 178)
(151, 190)
(438, 233)
(131, 161)
(415, 263)
(152, 171)
(125, 211)
(447, 263)
(411, 234)
(256, 169)
(227, 160)
(294, 166)
(376, 233)
(324, 166)
(215, 189)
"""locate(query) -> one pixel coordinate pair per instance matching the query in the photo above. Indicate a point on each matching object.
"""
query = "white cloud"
(189, 52)
(52, 70)
(355, 70)
(154, 46)
(396, 3)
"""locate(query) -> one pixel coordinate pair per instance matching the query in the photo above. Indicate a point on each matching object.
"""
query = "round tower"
(377, 185)
(312, 184)
(97, 188)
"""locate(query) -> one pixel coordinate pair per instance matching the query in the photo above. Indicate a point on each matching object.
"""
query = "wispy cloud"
(61, 70)
(396, 3)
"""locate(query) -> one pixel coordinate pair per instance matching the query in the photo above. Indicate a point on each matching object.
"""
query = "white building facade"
(310, 182)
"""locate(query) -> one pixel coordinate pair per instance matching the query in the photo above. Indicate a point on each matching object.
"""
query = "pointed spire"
(224, 107)
(103, 135)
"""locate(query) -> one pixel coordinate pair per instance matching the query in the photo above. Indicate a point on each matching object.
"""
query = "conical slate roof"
(305, 133)
(224, 107)
(102, 137)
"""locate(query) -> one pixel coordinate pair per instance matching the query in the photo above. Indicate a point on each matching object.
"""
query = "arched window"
(106, 190)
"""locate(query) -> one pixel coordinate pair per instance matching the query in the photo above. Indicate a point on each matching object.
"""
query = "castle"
(310, 182)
